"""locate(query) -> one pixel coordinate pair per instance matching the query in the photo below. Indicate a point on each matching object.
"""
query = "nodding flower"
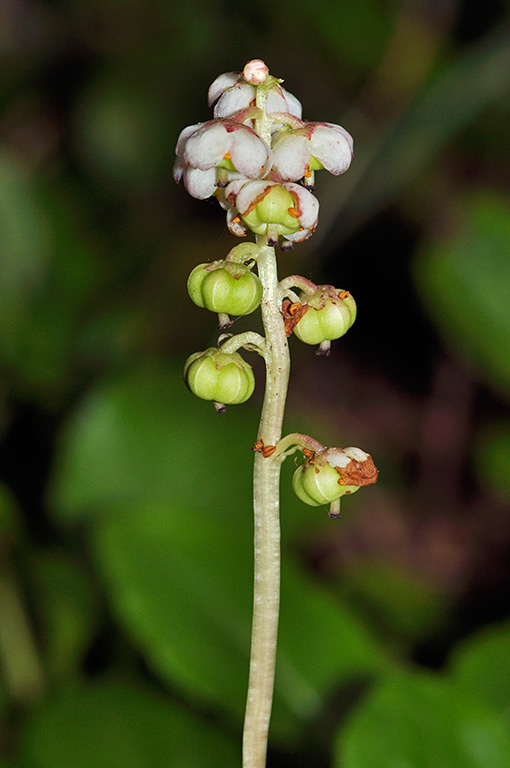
(213, 153)
(271, 208)
(314, 146)
(231, 92)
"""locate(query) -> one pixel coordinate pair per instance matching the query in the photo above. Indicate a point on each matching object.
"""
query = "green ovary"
(233, 290)
(233, 295)
(220, 378)
(318, 485)
(273, 209)
(327, 323)
(315, 165)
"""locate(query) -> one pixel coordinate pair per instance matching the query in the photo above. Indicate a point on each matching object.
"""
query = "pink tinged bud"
(255, 72)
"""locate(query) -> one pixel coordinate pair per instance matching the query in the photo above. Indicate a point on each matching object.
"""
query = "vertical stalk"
(266, 482)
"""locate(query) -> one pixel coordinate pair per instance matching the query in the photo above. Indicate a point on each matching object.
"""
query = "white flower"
(299, 151)
(219, 145)
(232, 93)
(271, 208)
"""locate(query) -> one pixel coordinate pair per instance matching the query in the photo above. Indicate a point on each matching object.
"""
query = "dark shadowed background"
(125, 519)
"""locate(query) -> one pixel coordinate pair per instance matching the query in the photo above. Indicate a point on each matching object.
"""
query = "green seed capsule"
(319, 485)
(225, 287)
(219, 376)
(330, 313)
(333, 473)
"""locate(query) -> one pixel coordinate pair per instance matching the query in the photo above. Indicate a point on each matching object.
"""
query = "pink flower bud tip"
(255, 72)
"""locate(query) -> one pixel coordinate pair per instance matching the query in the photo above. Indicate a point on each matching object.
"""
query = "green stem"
(248, 340)
(266, 481)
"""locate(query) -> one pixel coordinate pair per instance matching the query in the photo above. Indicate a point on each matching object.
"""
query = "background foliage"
(125, 523)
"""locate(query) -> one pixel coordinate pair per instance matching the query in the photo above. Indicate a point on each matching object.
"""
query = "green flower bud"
(225, 287)
(333, 473)
(329, 314)
(219, 376)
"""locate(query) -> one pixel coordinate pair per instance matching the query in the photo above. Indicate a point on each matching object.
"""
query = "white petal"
(185, 134)
(178, 170)
(298, 237)
(330, 144)
(200, 184)
(236, 227)
(308, 205)
(276, 101)
(291, 156)
(338, 458)
(345, 133)
(220, 85)
(249, 192)
(206, 147)
(356, 453)
(249, 152)
(293, 104)
(233, 99)
(282, 101)
(232, 190)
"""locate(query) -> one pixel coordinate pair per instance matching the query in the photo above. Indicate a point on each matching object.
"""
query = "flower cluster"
(259, 157)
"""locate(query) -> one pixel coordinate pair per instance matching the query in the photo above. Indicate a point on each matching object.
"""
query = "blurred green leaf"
(465, 284)
(24, 243)
(480, 666)
(46, 294)
(491, 458)
(422, 721)
(180, 579)
(122, 130)
(400, 603)
(143, 436)
(355, 32)
(114, 725)
(66, 607)
(394, 157)
(168, 482)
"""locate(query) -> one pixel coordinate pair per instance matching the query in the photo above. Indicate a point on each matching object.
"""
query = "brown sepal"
(292, 313)
(358, 472)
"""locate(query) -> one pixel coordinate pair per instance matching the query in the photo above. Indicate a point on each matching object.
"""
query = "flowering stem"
(266, 481)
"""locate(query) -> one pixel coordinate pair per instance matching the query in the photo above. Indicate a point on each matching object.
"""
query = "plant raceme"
(259, 159)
